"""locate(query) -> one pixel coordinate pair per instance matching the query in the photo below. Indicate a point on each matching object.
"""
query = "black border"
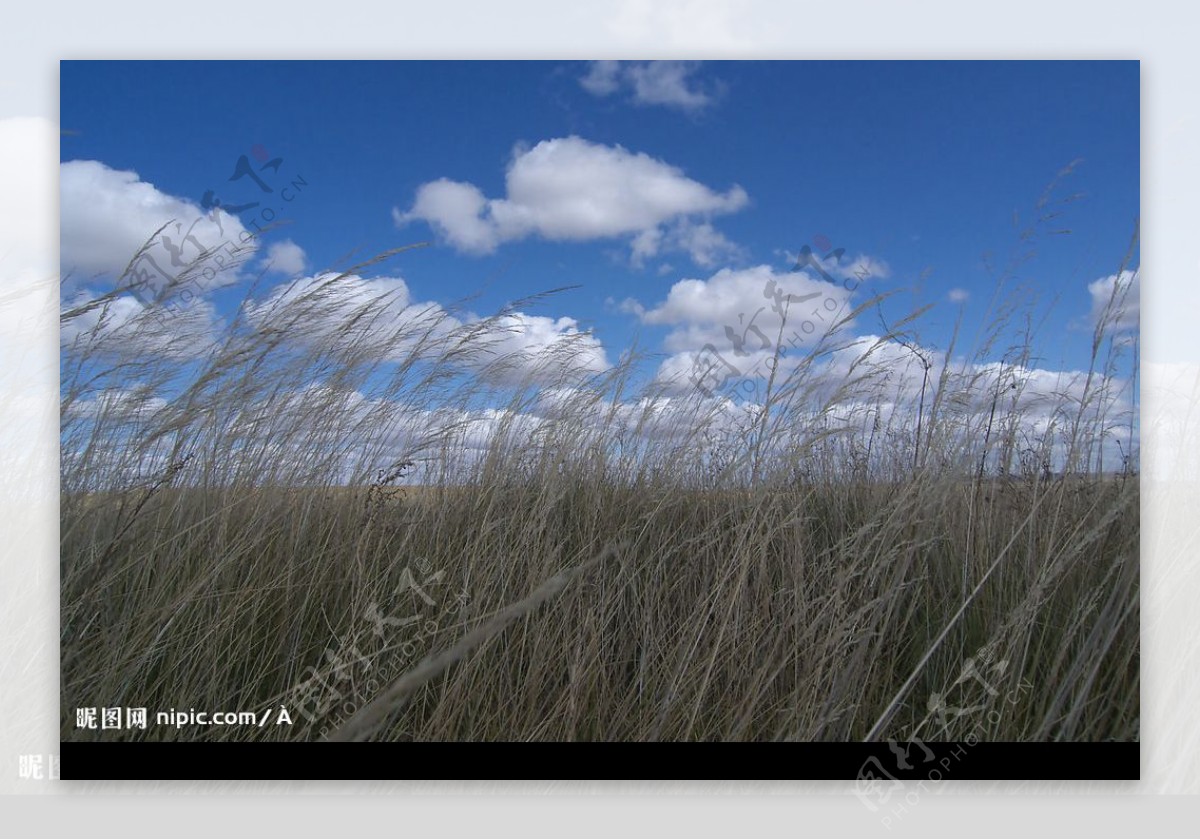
(876, 765)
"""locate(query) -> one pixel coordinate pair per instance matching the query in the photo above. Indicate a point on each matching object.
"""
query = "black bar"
(874, 764)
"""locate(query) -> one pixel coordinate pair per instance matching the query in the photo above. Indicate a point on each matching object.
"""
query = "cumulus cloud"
(1116, 300)
(958, 296)
(570, 189)
(108, 215)
(667, 83)
(285, 257)
(741, 312)
(459, 212)
(733, 324)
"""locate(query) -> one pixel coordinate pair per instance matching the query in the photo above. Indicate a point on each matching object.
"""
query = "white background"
(1162, 35)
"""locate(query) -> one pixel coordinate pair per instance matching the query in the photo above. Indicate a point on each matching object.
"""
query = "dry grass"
(784, 579)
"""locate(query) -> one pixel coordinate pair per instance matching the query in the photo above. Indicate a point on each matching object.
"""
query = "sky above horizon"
(673, 199)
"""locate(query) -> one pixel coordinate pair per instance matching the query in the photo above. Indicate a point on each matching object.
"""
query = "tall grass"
(458, 541)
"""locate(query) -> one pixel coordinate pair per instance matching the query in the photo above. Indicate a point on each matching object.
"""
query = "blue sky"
(629, 179)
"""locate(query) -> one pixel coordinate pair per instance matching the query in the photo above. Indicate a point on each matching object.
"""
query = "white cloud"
(668, 83)
(743, 309)
(123, 403)
(181, 328)
(332, 311)
(569, 189)
(285, 257)
(459, 212)
(516, 347)
(645, 245)
(703, 243)
(108, 215)
(602, 78)
(631, 307)
(869, 379)
(379, 316)
(1116, 299)
(958, 296)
